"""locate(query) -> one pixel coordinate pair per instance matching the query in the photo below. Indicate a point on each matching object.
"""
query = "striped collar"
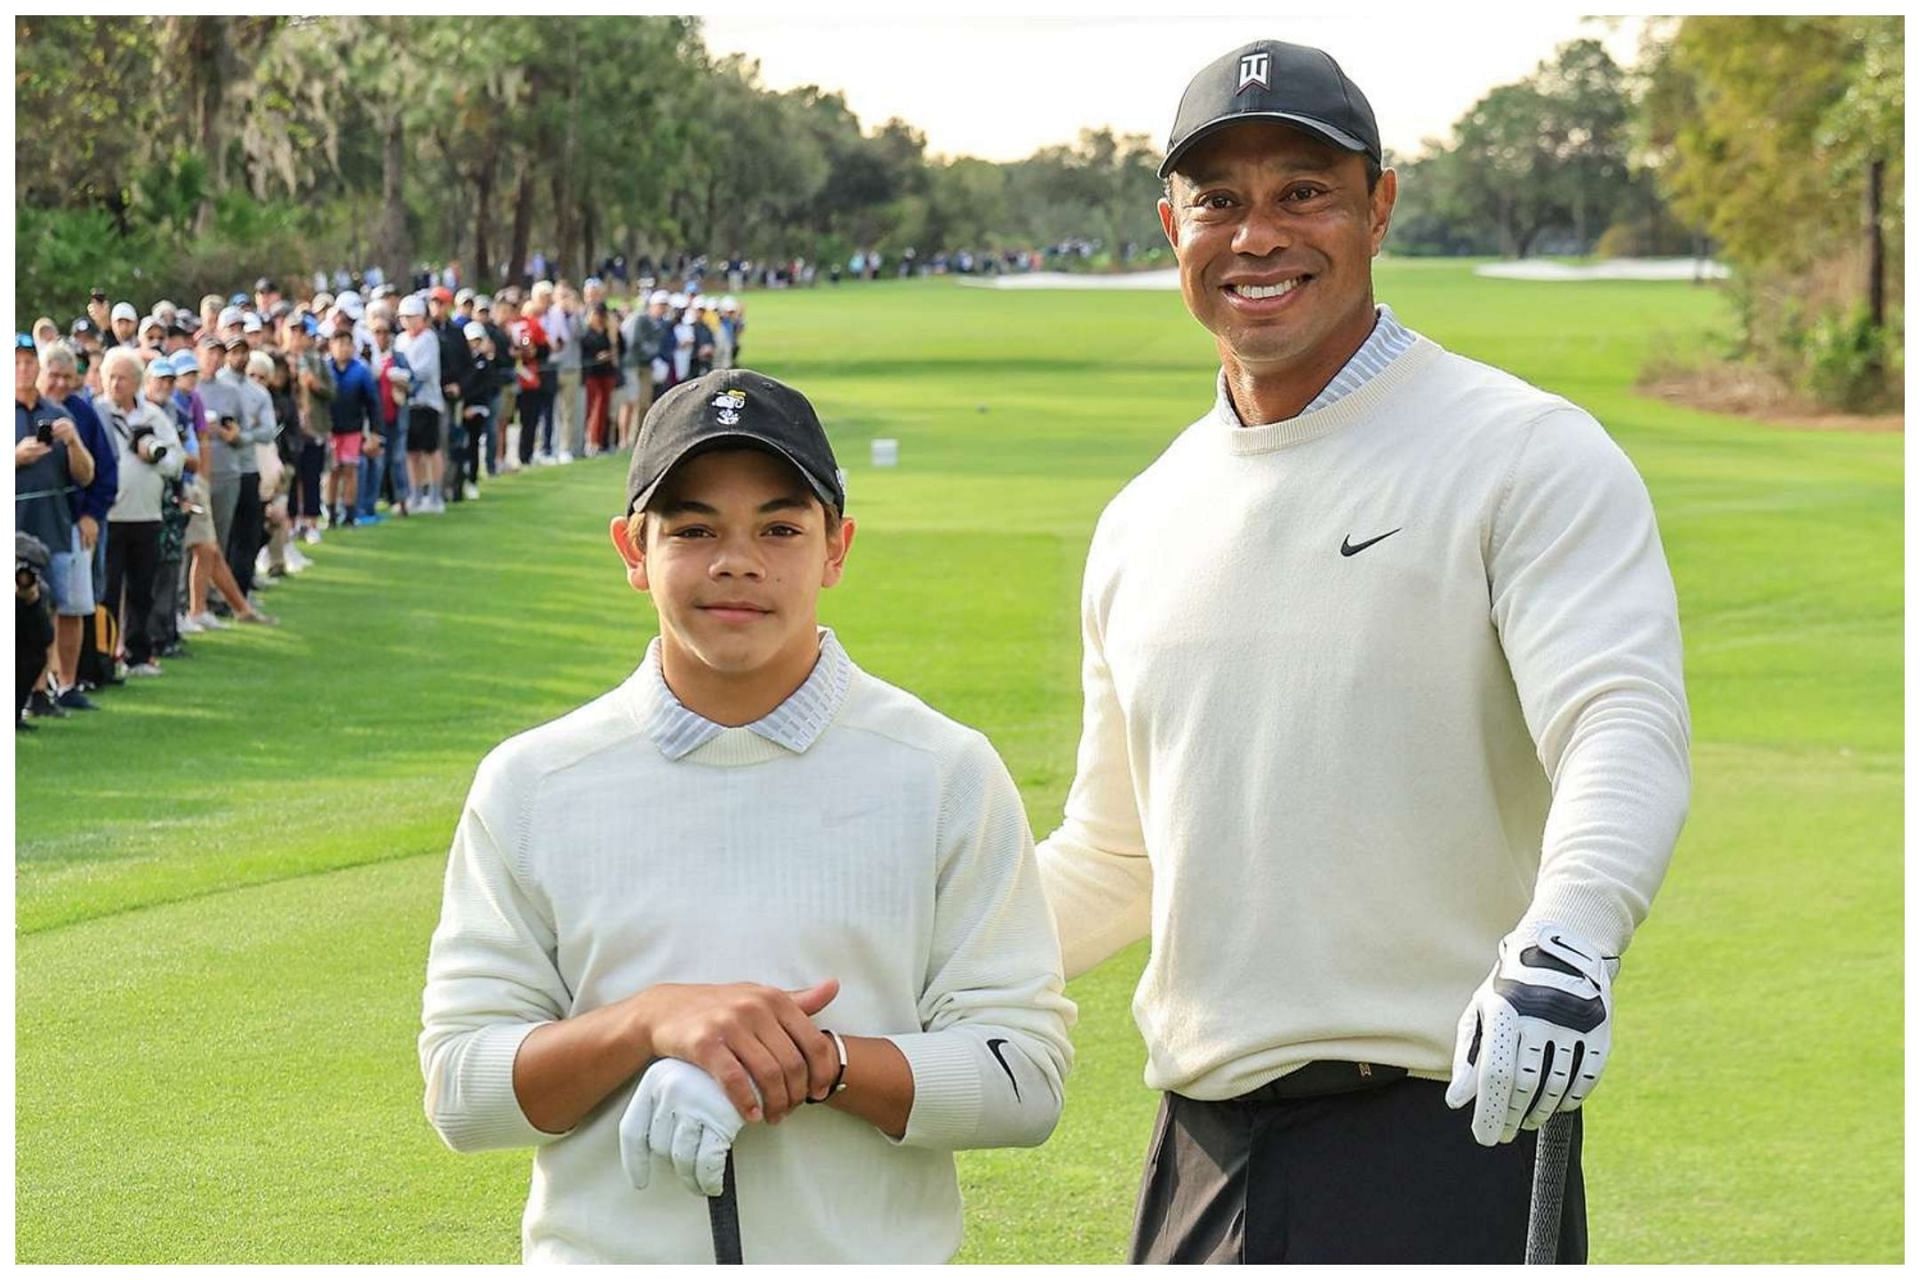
(1388, 340)
(795, 724)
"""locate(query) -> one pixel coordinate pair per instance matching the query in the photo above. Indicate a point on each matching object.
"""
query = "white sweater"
(1327, 784)
(892, 853)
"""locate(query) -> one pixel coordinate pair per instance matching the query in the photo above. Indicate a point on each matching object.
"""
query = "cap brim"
(1319, 128)
(709, 444)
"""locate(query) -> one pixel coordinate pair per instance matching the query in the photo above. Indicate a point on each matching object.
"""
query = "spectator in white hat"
(125, 321)
(426, 406)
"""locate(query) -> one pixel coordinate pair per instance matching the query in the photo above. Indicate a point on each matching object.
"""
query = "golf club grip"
(1549, 1189)
(723, 1215)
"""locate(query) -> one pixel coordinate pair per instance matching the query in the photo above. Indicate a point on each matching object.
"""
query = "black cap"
(1272, 80)
(737, 408)
(263, 285)
(97, 294)
(82, 327)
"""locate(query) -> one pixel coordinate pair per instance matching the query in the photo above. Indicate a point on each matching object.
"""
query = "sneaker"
(311, 536)
(543, 460)
(74, 700)
(22, 725)
(42, 707)
(120, 670)
(147, 668)
(263, 563)
(178, 649)
(264, 582)
(565, 458)
(470, 491)
(260, 618)
(186, 626)
(297, 563)
(208, 621)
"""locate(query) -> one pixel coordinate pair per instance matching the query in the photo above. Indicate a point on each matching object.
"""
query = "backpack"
(99, 642)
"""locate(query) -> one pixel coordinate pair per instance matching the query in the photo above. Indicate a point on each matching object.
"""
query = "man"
(124, 321)
(499, 401)
(60, 383)
(354, 418)
(645, 328)
(51, 464)
(99, 314)
(1382, 688)
(456, 366)
(569, 410)
(426, 407)
(384, 458)
(253, 407)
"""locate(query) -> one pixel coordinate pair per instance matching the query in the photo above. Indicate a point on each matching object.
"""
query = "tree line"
(185, 153)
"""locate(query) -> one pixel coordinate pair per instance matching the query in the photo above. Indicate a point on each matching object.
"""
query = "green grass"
(225, 882)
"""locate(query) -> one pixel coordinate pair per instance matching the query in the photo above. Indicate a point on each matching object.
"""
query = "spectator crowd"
(170, 465)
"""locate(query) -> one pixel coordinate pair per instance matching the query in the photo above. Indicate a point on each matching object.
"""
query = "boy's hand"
(746, 1036)
(680, 1114)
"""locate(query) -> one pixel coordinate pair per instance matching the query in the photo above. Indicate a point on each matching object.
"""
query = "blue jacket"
(97, 498)
(356, 400)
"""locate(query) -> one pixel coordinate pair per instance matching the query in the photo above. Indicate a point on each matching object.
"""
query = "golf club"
(723, 1216)
(1549, 1188)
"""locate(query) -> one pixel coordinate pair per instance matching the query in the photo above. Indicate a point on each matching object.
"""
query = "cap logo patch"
(729, 403)
(1254, 69)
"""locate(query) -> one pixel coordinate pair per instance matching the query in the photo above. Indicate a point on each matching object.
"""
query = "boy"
(748, 809)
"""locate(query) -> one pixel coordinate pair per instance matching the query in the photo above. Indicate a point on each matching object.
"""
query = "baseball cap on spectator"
(83, 327)
(465, 295)
(412, 305)
(659, 295)
(251, 324)
(230, 315)
(441, 293)
(311, 325)
(25, 342)
(160, 367)
(125, 311)
(591, 282)
(481, 302)
(263, 285)
(474, 330)
(677, 301)
(152, 322)
(185, 323)
(97, 294)
(236, 342)
(322, 300)
(729, 303)
(212, 339)
(280, 308)
(237, 300)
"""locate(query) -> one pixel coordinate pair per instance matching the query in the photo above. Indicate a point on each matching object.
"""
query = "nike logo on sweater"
(1349, 548)
(993, 1046)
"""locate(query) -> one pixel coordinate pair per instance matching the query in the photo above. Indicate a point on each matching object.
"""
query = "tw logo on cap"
(729, 403)
(1255, 68)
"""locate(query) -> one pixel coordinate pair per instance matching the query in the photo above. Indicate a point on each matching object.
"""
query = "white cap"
(474, 330)
(251, 324)
(125, 311)
(349, 296)
(229, 315)
(729, 303)
(658, 296)
(413, 305)
(677, 301)
(152, 322)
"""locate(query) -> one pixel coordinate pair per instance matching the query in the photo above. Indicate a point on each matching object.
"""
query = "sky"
(1001, 87)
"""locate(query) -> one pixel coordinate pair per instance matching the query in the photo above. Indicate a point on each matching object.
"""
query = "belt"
(1325, 1077)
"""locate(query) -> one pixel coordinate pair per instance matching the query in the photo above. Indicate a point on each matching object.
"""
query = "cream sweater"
(892, 853)
(1364, 689)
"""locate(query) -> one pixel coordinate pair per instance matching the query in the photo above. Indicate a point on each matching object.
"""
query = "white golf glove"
(680, 1114)
(1534, 1038)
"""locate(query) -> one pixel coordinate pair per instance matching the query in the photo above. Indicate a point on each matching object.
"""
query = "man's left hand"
(1535, 1036)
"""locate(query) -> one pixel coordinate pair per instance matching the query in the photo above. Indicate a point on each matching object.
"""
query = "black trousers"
(1384, 1175)
(536, 407)
(249, 531)
(133, 561)
(305, 499)
(32, 635)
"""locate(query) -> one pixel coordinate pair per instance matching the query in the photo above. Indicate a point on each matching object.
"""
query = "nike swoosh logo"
(993, 1046)
(1349, 548)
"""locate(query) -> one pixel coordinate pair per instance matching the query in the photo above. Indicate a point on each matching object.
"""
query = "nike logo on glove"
(1349, 548)
(993, 1046)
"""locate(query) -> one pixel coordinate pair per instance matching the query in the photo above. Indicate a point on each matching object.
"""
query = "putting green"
(226, 880)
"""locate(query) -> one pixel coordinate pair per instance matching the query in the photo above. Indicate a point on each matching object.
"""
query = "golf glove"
(1534, 1038)
(680, 1114)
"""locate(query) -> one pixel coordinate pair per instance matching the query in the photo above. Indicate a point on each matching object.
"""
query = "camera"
(44, 433)
(145, 446)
